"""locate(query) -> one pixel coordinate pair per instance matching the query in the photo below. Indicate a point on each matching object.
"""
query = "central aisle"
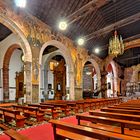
(41, 132)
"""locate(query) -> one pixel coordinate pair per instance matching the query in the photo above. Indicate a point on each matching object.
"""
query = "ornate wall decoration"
(81, 56)
(35, 72)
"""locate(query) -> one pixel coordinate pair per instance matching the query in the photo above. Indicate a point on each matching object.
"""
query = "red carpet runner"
(41, 132)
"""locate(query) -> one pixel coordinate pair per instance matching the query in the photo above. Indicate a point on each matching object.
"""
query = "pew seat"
(15, 135)
(110, 121)
(10, 114)
(72, 135)
(3, 127)
(85, 132)
(111, 128)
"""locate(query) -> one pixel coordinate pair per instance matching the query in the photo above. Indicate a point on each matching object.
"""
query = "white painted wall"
(110, 80)
(1, 94)
(5, 44)
(15, 65)
(95, 81)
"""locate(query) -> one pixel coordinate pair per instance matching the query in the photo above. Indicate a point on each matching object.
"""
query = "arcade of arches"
(37, 64)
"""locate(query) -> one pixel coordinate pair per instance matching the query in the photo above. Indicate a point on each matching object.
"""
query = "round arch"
(6, 62)
(97, 69)
(136, 69)
(64, 51)
(6, 21)
(114, 69)
(15, 29)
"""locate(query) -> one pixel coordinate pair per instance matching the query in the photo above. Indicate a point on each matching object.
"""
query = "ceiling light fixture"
(116, 45)
(63, 25)
(20, 3)
(81, 41)
(97, 50)
(88, 73)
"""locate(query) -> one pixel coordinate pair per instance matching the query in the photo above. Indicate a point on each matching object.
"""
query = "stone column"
(104, 84)
(71, 85)
(27, 82)
(45, 82)
(1, 86)
(6, 84)
(35, 80)
(0, 77)
(78, 92)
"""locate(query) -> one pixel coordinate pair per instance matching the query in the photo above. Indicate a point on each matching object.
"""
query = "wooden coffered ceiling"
(94, 19)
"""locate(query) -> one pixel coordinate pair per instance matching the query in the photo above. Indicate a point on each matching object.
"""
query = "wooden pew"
(127, 108)
(15, 135)
(110, 121)
(116, 115)
(63, 130)
(3, 127)
(129, 105)
(60, 106)
(86, 104)
(47, 109)
(123, 111)
(10, 114)
(72, 106)
(30, 112)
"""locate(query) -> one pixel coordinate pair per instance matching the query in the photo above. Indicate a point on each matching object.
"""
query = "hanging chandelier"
(116, 45)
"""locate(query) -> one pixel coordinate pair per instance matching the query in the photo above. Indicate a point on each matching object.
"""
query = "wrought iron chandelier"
(116, 45)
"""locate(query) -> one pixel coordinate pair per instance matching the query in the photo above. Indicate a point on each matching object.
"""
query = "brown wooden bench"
(123, 111)
(110, 128)
(15, 135)
(127, 108)
(116, 115)
(129, 105)
(60, 129)
(47, 109)
(10, 114)
(31, 112)
(72, 106)
(109, 121)
(3, 127)
(59, 106)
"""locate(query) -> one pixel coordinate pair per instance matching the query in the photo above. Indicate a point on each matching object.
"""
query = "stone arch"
(15, 29)
(65, 52)
(114, 73)
(96, 66)
(6, 62)
(6, 21)
(136, 69)
(132, 44)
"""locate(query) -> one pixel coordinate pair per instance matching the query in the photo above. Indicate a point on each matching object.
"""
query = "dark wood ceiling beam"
(120, 16)
(132, 38)
(131, 58)
(86, 9)
(118, 24)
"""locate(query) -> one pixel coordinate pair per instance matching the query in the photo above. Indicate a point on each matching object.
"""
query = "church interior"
(69, 69)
